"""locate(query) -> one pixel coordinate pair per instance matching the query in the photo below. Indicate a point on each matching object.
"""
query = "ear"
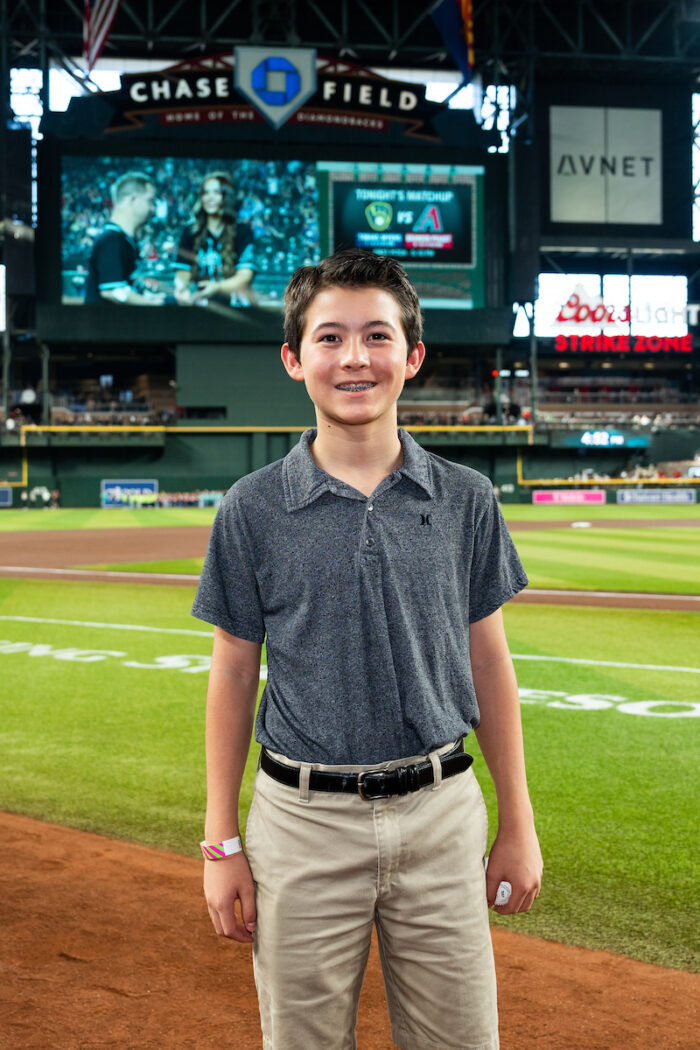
(292, 363)
(415, 360)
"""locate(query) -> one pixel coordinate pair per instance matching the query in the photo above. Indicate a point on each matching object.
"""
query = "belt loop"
(304, 774)
(437, 769)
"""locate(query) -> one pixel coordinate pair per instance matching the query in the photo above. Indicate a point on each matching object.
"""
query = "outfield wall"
(76, 462)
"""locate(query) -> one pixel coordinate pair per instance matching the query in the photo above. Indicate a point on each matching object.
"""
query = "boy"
(377, 572)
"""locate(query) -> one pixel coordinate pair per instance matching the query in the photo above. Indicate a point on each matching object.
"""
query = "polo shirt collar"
(304, 481)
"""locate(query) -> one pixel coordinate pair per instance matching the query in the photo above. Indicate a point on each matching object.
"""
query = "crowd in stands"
(198, 498)
(277, 199)
(561, 404)
(134, 499)
(641, 472)
(570, 402)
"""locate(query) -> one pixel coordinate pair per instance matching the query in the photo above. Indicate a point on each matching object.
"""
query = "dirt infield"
(107, 944)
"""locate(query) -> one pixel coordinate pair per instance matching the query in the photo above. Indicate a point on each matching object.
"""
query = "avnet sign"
(605, 165)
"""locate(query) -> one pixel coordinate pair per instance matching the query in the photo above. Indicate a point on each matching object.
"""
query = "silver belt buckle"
(361, 780)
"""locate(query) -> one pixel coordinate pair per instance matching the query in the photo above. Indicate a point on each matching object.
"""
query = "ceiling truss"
(654, 37)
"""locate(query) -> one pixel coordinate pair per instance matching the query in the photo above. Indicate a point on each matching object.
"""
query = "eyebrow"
(343, 327)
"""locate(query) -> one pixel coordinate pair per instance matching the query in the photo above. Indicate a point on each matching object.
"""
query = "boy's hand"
(230, 896)
(515, 857)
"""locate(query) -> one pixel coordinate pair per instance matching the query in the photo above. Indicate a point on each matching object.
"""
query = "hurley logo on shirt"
(425, 519)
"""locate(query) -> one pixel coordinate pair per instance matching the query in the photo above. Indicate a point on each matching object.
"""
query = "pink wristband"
(219, 850)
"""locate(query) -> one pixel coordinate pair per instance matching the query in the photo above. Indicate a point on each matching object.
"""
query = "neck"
(370, 451)
(125, 221)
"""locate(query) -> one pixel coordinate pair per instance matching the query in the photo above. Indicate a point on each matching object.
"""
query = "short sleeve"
(228, 594)
(496, 571)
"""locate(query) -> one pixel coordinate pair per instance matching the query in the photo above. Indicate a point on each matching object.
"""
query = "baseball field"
(102, 709)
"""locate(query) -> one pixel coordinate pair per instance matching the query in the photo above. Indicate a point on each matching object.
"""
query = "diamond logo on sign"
(277, 83)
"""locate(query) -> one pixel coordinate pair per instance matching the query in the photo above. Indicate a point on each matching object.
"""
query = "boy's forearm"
(501, 740)
(231, 702)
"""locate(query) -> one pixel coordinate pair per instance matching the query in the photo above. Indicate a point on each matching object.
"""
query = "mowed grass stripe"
(636, 560)
(20, 520)
(101, 518)
(611, 511)
(669, 540)
(191, 566)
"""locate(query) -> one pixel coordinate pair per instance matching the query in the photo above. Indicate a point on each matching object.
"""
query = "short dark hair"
(132, 182)
(350, 268)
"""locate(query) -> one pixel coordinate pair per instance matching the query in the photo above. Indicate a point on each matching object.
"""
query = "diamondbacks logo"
(278, 82)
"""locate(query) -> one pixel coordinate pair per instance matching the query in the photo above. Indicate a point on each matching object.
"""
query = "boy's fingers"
(232, 927)
(216, 921)
(248, 911)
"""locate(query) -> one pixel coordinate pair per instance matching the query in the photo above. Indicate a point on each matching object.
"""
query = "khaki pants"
(328, 867)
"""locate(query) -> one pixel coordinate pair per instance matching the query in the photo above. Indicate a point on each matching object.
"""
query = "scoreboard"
(429, 216)
(409, 222)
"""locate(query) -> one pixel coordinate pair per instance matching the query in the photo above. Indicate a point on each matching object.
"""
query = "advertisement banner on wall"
(118, 492)
(605, 165)
(571, 496)
(656, 495)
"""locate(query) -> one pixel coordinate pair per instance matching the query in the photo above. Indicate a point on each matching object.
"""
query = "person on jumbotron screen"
(216, 253)
(115, 253)
(375, 572)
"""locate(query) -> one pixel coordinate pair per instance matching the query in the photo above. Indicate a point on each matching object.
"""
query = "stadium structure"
(549, 227)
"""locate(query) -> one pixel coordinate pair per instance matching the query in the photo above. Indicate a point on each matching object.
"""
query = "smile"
(355, 387)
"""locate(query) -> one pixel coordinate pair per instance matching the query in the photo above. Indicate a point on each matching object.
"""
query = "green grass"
(609, 511)
(14, 520)
(118, 749)
(613, 791)
(664, 560)
(99, 518)
(193, 566)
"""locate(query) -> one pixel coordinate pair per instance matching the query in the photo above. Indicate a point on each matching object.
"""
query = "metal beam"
(512, 32)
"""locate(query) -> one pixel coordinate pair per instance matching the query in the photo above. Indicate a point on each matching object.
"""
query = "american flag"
(97, 23)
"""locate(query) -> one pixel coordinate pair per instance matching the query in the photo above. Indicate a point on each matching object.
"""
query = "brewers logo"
(379, 215)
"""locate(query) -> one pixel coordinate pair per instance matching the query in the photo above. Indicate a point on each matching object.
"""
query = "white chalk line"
(36, 570)
(541, 658)
(110, 626)
(654, 596)
(604, 663)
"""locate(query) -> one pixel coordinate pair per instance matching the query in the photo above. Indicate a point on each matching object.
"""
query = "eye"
(329, 337)
(379, 336)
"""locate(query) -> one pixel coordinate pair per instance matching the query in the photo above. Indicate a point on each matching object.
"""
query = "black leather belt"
(371, 783)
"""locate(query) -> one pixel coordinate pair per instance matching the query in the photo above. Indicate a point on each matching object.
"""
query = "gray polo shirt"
(365, 602)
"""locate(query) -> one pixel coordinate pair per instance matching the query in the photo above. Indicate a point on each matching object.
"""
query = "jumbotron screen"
(228, 233)
(428, 216)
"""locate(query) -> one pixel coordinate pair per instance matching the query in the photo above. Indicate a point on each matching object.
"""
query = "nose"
(355, 353)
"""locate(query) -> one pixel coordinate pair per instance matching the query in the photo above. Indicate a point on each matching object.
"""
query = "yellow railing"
(98, 428)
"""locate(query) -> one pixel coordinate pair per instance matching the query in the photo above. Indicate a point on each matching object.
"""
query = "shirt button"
(371, 506)
(370, 542)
